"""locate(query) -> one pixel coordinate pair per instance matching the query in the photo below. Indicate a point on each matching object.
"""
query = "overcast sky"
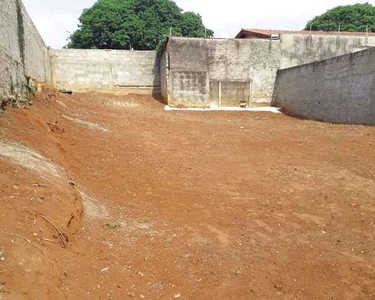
(55, 19)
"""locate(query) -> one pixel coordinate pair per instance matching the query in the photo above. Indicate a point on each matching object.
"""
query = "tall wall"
(164, 75)
(337, 90)
(297, 49)
(202, 71)
(106, 70)
(23, 53)
(207, 72)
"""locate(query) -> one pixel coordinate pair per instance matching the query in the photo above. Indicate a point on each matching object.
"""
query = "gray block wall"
(297, 49)
(106, 70)
(164, 76)
(337, 90)
(23, 53)
(238, 61)
(197, 64)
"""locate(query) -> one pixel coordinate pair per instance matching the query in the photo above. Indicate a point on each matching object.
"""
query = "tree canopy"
(137, 24)
(352, 18)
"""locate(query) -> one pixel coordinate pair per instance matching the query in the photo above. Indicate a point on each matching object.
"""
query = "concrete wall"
(23, 53)
(164, 76)
(197, 65)
(337, 90)
(297, 49)
(106, 70)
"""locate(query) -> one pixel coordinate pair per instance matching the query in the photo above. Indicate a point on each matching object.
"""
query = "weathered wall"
(106, 70)
(23, 53)
(196, 65)
(297, 49)
(337, 90)
(164, 76)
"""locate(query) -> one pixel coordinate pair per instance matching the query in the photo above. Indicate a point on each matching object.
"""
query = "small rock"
(64, 91)
(178, 295)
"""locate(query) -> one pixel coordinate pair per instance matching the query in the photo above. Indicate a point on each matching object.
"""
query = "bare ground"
(107, 197)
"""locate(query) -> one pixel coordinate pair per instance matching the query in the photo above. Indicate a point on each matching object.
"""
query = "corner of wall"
(24, 56)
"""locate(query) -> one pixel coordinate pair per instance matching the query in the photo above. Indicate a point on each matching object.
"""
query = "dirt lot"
(107, 197)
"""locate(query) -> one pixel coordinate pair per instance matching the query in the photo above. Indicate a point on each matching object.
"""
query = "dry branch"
(62, 236)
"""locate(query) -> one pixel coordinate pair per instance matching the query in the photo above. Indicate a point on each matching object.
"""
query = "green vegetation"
(352, 18)
(20, 31)
(137, 24)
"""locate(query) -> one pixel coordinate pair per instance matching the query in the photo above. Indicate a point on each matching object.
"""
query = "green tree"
(352, 18)
(137, 24)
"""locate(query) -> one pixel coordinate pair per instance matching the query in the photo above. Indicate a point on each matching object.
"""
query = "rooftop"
(267, 33)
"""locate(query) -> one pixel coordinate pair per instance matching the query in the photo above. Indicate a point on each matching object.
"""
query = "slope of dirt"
(108, 197)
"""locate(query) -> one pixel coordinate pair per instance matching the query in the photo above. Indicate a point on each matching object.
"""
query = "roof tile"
(266, 33)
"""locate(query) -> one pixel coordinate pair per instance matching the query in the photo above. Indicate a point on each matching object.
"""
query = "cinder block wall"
(106, 70)
(23, 53)
(198, 65)
(164, 76)
(297, 49)
(337, 90)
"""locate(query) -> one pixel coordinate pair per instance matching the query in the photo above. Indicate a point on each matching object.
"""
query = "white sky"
(55, 19)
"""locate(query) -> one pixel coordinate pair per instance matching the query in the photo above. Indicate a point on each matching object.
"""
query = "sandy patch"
(29, 159)
(92, 209)
(86, 124)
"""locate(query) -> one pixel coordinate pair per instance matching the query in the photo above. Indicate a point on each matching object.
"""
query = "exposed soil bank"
(155, 204)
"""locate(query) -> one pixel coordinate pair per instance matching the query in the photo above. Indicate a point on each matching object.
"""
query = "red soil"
(131, 201)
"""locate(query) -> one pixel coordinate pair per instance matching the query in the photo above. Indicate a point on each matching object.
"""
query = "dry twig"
(62, 236)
